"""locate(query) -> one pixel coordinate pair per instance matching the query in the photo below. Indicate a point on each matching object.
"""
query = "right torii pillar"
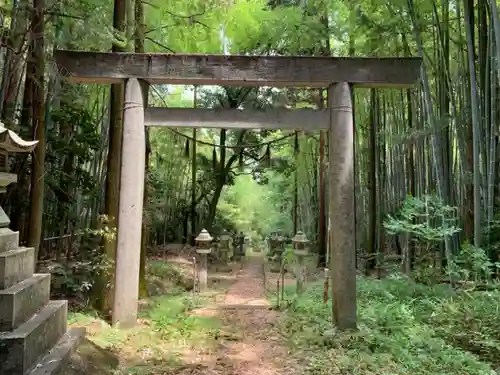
(341, 206)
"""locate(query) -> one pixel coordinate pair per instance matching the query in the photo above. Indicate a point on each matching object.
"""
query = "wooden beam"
(277, 71)
(275, 118)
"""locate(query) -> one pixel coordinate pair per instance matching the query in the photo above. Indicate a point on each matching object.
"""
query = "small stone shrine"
(33, 330)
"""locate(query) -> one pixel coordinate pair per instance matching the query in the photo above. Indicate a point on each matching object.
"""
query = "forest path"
(249, 343)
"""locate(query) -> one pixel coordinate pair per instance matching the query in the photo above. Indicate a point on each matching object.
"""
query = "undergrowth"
(167, 328)
(404, 328)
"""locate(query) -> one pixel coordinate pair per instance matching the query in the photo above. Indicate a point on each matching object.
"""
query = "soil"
(249, 342)
(91, 359)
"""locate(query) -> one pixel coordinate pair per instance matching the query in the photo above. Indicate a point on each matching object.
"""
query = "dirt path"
(249, 343)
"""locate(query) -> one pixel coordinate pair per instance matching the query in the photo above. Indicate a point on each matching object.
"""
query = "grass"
(168, 331)
(404, 328)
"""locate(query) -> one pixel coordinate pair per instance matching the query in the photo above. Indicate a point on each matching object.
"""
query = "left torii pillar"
(128, 251)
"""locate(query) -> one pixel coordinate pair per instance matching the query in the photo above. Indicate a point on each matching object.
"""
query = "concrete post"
(341, 206)
(128, 252)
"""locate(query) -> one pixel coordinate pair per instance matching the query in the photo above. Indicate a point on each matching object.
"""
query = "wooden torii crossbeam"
(276, 71)
(336, 74)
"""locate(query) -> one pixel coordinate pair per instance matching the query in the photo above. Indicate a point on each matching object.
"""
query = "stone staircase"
(34, 339)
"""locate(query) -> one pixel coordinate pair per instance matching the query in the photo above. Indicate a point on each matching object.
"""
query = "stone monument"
(34, 338)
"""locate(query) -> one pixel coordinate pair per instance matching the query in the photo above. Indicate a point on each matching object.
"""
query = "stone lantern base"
(34, 338)
(223, 261)
(301, 253)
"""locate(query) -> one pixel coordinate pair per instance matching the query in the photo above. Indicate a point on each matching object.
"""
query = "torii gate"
(336, 74)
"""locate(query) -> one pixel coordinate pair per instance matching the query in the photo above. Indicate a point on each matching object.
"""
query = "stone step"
(16, 266)
(57, 359)
(19, 302)
(9, 240)
(22, 349)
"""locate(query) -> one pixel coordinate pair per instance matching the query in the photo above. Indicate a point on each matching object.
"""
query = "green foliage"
(169, 327)
(170, 316)
(427, 218)
(254, 208)
(78, 139)
(179, 26)
(164, 278)
(404, 328)
(76, 278)
(472, 264)
(492, 233)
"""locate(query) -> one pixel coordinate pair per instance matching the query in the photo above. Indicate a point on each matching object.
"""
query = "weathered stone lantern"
(270, 243)
(33, 329)
(203, 248)
(281, 240)
(10, 142)
(280, 245)
(300, 245)
(240, 242)
(225, 245)
(276, 251)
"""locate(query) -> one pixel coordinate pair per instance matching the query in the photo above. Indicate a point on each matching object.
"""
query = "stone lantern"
(270, 239)
(300, 245)
(240, 242)
(281, 240)
(32, 327)
(203, 248)
(275, 251)
(10, 142)
(225, 245)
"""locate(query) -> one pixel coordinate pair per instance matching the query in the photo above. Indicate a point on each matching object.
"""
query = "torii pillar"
(128, 255)
(341, 206)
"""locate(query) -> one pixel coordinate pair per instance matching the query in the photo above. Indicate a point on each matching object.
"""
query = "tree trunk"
(372, 185)
(104, 302)
(475, 126)
(14, 64)
(36, 71)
